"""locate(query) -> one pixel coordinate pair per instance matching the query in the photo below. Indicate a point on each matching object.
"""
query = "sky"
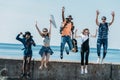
(20, 15)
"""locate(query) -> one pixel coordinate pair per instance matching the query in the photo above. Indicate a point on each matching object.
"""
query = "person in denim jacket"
(27, 42)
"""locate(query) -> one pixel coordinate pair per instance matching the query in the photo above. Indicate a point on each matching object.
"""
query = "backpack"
(61, 28)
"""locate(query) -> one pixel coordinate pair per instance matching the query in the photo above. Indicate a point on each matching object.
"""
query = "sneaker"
(102, 62)
(22, 75)
(67, 51)
(82, 71)
(45, 65)
(28, 76)
(40, 67)
(98, 60)
(61, 56)
(86, 71)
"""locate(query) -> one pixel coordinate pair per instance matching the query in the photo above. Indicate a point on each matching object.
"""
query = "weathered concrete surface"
(61, 71)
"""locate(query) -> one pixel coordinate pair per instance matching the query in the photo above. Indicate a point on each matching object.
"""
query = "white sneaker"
(86, 71)
(102, 62)
(82, 71)
(40, 67)
(98, 60)
(45, 65)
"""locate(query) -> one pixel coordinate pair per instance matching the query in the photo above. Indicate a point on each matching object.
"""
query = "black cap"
(70, 16)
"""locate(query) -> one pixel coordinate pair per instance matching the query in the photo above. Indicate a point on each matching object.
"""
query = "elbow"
(34, 45)
(17, 38)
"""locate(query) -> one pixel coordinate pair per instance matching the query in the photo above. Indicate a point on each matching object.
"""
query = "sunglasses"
(44, 31)
(103, 19)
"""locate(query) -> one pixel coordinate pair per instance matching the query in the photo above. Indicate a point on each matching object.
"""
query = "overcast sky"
(20, 16)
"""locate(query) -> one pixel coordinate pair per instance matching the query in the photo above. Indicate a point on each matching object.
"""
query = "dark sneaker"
(67, 51)
(61, 56)
(28, 76)
(22, 75)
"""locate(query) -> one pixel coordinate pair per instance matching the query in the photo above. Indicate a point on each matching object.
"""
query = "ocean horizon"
(13, 51)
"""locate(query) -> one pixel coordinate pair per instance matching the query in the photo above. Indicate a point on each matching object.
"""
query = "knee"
(105, 50)
(43, 58)
(29, 62)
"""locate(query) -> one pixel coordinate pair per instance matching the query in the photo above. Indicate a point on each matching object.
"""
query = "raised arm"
(76, 34)
(63, 17)
(50, 28)
(18, 37)
(113, 15)
(97, 13)
(94, 34)
(38, 29)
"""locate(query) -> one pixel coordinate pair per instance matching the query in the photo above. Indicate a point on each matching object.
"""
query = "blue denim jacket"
(27, 44)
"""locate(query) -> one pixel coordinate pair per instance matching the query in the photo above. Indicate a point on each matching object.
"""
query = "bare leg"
(47, 60)
(42, 61)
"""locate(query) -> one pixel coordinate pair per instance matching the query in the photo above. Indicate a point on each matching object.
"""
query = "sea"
(14, 51)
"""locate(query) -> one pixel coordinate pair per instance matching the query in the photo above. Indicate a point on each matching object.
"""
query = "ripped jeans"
(101, 42)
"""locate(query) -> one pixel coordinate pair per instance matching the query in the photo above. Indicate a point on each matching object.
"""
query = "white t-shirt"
(84, 37)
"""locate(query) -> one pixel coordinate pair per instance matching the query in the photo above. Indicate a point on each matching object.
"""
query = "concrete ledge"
(62, 71)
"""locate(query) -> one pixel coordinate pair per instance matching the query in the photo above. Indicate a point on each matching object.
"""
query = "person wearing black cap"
(27, 42)
(45, 51)
(103, 35)
(66, 31)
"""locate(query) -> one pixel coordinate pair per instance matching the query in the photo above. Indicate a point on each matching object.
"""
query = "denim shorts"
(45, 50)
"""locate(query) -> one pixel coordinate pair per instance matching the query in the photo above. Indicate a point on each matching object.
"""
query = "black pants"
(26, 64)
(84, 54)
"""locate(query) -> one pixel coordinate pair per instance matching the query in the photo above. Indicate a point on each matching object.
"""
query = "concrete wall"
(61, 71)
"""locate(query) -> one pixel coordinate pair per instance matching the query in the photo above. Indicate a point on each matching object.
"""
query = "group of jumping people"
(68, 35)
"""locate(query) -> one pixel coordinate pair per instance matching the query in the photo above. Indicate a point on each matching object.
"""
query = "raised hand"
(97, 12)
(63, 9)
(113, 13)
(36, 23)
(21, 33)
(50, 21)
